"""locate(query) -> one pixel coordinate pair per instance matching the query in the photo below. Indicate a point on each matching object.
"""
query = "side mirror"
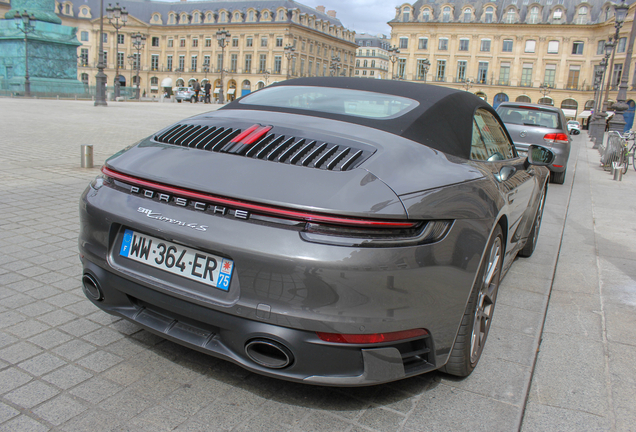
(540, 156)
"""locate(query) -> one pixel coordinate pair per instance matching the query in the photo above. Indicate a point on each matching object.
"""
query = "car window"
(528, 116)
(496, 143)
(478, 147)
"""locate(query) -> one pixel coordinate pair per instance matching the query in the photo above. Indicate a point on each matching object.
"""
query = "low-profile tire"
(533, 236)
(477, 318)
(557, 177)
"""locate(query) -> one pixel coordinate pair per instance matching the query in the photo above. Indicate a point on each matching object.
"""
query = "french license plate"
(189, 263)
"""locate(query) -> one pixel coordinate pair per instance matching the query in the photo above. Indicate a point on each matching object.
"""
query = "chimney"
(331, 13)
(320, 9)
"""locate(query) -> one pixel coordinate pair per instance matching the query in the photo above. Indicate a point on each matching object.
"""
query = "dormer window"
(446, 14)
(223, 17)
(557, 15)
(266, 15)
(406, 14)
(489, 13)
(426, 15)
(467, 15)
(237, 17)
(208, 17)
(582, 15)
(511, 16)
(171, 19)
(251, 16)
(281, 16)
(67, 9)
(533, 17)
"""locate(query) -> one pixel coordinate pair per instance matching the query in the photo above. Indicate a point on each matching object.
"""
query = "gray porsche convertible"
(331, 231)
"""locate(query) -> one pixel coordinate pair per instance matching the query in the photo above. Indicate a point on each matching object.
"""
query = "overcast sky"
(362, 16)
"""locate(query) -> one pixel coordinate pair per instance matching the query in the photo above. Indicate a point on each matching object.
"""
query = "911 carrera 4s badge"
(174, 258)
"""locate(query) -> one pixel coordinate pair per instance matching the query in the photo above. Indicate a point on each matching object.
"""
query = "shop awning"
(569, 112)
(585, 114)
(166, 82)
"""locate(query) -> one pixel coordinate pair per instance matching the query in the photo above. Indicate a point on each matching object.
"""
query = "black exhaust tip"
(91, 287)
(269, 353)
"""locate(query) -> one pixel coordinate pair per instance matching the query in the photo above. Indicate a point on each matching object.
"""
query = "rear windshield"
(529, 117)
(357, 103)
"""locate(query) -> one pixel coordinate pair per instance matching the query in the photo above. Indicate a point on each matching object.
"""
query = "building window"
(262, 63)
(443, 44)
(155, 41)
(182, 43)
(233, 62)
(582, 15)
(105, 58)
(489, 14)
(84, 36)
(577, 48)
(600, 47)
(264, 41)
(193, 64)
(169, 62)
(105, 37)
(154, 62)
(482, 73)
(219, 61)
(446, 14)
(533, 17)
(404, 43)
(553, 47)
(463, 44)
(249, 42)
(85, 78)
(507, 45)
(278, 61)
(401, 72)
(485, 45)
(467, 15)
(621, 45)
(279, 41)
(616, 76)
(422, 43)
(195, 43)
(406, 14)
(181, 63)
(84, 57)
(461, 70)
(208, 42)
(573, 77)
(511, 16)
(526, 75)
(426, 15)
(531, 45)
(440, 74)
(170, 43)
(235, 42)
(550, 74)
(364, 63)
(504, 74)
(248, 63)
(558, 13)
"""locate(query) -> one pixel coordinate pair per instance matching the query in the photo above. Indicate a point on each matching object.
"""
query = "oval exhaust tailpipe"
(91, 287)
(269, 353)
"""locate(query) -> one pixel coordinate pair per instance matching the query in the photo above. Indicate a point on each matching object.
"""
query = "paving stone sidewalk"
(67, 366)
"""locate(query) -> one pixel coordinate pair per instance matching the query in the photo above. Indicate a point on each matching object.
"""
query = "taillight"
(559, 138)
(371, 338)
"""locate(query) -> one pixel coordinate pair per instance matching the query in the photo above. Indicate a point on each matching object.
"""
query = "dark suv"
(541, 125)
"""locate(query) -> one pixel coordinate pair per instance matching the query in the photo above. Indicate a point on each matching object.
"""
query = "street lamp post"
(222, 36)
(597, 124)
(138, 42)
(289, 53)
(617, 122)
(100, 78)
(266, 75)
(23, 23)
(116, 13)
(467, 84)
(545, 90)
(393, 52)
(131, 62)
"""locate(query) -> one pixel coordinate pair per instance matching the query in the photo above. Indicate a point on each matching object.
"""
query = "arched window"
(406, 14)
(511, 16)
(251, 16)
(223, 17)
(281, 16)
(582, 15)
(236, 17)
(499, 98)
(482, 95)
(546, 100)
(533, 17)
(265, 15)
(209, 17)
(154, 81)
(85, 78)
(569, 104)
(489, 14)
(67, 9)
(426, 15)
(467, 15)
(523, 98)
(180, 82)
(589, 104)
(446, 14)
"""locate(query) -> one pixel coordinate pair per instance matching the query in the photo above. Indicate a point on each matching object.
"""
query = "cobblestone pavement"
(67, 366)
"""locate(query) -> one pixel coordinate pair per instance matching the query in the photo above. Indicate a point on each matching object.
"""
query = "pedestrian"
(207, 88)
(197, 88)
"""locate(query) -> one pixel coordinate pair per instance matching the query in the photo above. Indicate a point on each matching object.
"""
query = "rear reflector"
(558, 166)
(371, 338)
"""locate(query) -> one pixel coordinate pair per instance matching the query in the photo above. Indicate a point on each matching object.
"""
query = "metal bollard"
(617, 171)
(87, 156)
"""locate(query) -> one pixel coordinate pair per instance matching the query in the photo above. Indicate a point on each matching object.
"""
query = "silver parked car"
(331, 231)
(185, 94)
(541, 125)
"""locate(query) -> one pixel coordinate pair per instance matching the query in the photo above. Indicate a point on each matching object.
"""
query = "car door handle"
(511, 197)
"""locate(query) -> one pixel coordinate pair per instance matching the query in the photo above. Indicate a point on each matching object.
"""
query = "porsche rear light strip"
(258, 208)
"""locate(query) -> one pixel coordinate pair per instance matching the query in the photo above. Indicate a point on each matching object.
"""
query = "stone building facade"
(507, 49)
(181, 42)
(372, 56)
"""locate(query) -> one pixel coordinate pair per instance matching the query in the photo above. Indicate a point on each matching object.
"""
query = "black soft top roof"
(443, 120)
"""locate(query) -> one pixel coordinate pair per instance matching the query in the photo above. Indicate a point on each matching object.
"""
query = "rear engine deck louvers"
(257, 142)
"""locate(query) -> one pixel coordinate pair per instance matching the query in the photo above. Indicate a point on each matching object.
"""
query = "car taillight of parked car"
(559, 138)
